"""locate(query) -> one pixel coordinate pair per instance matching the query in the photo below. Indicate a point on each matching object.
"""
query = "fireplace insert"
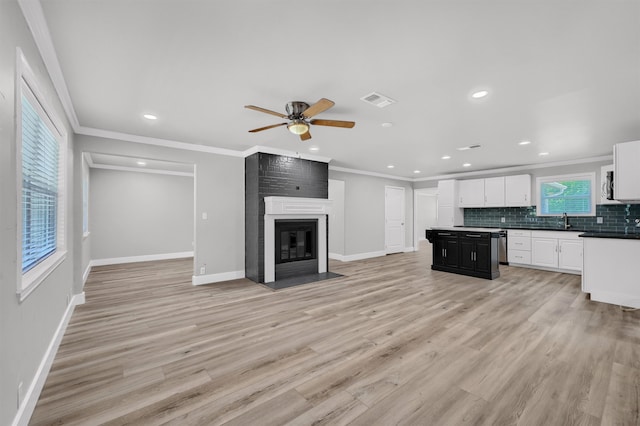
(296, 240)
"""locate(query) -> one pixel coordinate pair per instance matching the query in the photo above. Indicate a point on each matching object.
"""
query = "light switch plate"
(502, 219)
(204, 215)
(599, 219)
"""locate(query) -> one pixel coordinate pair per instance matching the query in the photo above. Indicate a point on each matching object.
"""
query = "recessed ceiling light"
(466, 165)
(542, 154)
(387, 124)
(479, 94)
(141, 163)
(416, 171)
(524, 143)
(446, 157)
(390, 166)
(150, 117)
(314, 148)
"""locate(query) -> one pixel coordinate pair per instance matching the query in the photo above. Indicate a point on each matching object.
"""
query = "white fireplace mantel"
(293, 208)
(296, 205)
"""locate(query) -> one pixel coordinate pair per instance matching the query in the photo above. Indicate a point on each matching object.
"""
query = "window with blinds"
(570, 194)
(40, 152)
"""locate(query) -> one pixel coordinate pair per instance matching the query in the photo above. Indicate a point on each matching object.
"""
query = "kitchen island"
(610, 269)
(466, 251)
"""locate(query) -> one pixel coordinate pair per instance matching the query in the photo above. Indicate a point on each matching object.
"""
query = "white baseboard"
(86, 273)
(33, 392)
(409, 249)
(216, 278)
(336, 256)
(144, 258)
(359, 256)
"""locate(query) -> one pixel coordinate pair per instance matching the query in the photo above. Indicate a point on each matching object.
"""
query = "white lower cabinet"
(544, 252)
(556, 250)
(570, 254)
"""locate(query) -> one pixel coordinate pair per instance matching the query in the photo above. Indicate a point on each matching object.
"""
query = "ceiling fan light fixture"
(298, 127)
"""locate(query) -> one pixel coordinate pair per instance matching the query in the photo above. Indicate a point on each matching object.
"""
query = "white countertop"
(464, 228)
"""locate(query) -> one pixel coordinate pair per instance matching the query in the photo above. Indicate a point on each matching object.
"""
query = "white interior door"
(394, 219)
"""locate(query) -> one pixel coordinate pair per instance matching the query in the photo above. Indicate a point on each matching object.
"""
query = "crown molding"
(140, 170)
(167, 143)
(33, 14)
(363, 172)
(517, 168)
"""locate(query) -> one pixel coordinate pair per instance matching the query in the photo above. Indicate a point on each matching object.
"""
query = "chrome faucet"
(566, 221)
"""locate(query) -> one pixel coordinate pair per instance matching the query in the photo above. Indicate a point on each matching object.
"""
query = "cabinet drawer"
(519, 243)
(519, 256)
(518, 233)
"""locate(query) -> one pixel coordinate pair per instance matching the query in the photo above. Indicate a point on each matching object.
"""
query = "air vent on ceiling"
(376, 99)
(464, 148)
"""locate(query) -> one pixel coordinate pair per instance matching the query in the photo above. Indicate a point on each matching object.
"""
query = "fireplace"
(295, 237)
(295, 247)
(295, 240)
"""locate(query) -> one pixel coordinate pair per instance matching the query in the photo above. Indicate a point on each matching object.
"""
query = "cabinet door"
(626, 174)
(451, 252)
(494, 192)
(467, 249)
(483, 256)
(544, 252)
(518, 191)
(471, 193)
(570, 254)
(447, 192)
(438, 251)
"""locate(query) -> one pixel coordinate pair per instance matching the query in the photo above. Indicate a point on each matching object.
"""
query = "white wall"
(139, 214)
(336, 218)
(364, 222)
(219, 191)
(27, 328)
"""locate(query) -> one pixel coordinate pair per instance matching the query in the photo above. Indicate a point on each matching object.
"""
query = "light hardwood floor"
(392, 342)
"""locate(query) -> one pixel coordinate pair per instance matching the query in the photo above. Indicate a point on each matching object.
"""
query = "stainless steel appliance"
(502, 248)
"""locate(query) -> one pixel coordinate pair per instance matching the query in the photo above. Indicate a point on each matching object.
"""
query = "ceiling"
(562, 74)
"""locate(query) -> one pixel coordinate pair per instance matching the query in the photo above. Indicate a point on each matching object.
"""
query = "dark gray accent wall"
(269, 175)
(615, 218)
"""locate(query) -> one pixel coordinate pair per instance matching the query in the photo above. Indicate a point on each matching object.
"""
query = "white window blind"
(40, 158)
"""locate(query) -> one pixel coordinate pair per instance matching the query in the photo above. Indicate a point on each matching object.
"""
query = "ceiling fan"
(299, 114)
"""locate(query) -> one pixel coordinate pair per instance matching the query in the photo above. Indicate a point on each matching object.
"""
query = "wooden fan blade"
(267, 127)
(334, 123)
(322, 105)
(305, 136)
(267, 111)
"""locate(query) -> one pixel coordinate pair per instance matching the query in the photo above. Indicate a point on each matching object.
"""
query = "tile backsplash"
(615, 218)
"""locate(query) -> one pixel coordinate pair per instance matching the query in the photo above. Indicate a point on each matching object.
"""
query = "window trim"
(591, 176)
(26, 84)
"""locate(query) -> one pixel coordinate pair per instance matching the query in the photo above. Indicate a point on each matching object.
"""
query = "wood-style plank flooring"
(392, 342)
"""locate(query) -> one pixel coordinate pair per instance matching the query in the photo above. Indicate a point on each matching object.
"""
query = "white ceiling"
(563, 74)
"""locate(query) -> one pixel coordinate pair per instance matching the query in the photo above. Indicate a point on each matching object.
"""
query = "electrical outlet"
(203, 270)
(599, 219)
(503, 220)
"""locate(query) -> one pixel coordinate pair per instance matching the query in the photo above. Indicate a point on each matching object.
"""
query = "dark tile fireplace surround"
(268, 175)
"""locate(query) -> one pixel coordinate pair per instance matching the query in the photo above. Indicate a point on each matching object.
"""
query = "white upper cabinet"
(449, 214)
(471, 193)
(626, 175)
(494, 192)
(447, 192)
(518, 191)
